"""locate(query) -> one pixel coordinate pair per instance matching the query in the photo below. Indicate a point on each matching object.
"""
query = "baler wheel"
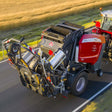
(79, 84)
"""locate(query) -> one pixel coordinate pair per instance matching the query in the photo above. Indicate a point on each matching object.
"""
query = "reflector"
(97, 24)
(100, 8)
(51, 52)
(42, 37)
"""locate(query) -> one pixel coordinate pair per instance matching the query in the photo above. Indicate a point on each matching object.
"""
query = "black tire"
(14, 48)
(25, 77)
(77, 81)
(22, 80)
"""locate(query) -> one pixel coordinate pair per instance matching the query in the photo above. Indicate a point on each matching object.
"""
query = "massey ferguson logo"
(51, 44)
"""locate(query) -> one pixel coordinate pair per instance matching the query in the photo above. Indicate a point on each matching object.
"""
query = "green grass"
(80, 18)
(3, 56)
(34, 43)
(36, 31)
(34, 34)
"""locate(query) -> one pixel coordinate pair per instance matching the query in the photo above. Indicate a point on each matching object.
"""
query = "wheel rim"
(15, 49)
(80, 84)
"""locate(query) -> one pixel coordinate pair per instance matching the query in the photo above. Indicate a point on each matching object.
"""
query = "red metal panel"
(90, 46)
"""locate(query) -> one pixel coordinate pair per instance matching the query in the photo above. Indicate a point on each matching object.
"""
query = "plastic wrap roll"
(57, 58)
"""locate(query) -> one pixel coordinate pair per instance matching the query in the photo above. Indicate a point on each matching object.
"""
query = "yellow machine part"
(37, 79)
(24, 63)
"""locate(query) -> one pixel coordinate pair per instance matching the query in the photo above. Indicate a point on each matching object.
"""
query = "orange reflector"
(101, 14)
(9, 59)
(100, 8)
(48, 78)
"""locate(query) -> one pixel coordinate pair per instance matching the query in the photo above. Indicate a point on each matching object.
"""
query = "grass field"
(14, 13)
(33, 32)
